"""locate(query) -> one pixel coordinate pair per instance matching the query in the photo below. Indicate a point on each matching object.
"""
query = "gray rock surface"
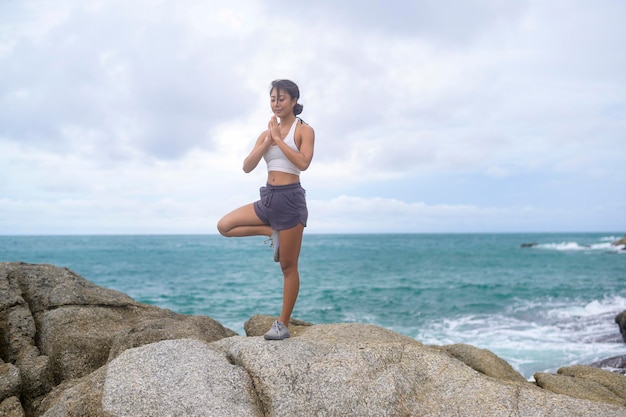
(167, 328)
(614, 382)
(11, 407)
(70, 348)
(10, 381)
(380, 376)
(55, 327)
(249, 376)
(615, 364)
(75, 397)
(578, 388)
(178, 378)
(484, 361)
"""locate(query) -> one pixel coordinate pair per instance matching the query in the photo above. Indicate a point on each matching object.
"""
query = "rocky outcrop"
(586, 382)
(175, 378)
(620, 242)
(55, 326)
(528, 245)
(70, 348)
(484, 361)
(615, 364)
(308, 375)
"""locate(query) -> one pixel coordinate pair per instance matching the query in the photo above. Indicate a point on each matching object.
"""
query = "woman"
(281, 212)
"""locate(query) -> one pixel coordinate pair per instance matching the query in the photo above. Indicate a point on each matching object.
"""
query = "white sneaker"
(278, 331)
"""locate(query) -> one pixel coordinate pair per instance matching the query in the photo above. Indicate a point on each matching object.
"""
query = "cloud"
(471, 109)
(349, 214)
(114, 76)
(458, 22)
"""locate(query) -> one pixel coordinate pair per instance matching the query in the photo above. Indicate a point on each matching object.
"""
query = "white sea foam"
(593, 309)
(606, 246)
(537, 336)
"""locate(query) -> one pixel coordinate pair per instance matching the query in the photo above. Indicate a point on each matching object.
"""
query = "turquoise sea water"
(539, 308)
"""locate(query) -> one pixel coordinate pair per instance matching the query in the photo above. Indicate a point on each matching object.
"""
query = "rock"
(528, 245)
(75, 349)
(80, 339)
(610, 380)
(55, 326)
(620, 242)
(317, 373)
(10, 381)
(620, 319)
(615, 364)
(179, 327)
(178, 378)
(76, 397)
(355, 334)
(326, 372)
(578, 388)
(484, 361)
(258, 325)
(17, 336)
(11, 407)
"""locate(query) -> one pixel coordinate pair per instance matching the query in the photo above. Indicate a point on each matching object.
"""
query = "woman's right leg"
(241, 222)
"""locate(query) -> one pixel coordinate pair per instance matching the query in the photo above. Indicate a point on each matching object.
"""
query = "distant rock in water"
(620, 242)
(616, 364)
(71, 348)
(528, 245)
(620, 319)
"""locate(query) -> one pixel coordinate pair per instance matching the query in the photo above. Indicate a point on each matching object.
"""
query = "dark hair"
(290, 88)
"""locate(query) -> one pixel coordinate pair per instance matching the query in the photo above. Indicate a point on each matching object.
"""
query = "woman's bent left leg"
(290, 244)
(241, 222)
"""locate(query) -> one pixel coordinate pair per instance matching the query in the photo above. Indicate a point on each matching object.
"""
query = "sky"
(464, 116)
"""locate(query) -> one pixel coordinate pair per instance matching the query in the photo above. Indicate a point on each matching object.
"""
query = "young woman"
(281, 213)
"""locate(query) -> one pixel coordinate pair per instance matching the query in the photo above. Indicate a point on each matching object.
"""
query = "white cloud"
(346, 214)
(434, 116)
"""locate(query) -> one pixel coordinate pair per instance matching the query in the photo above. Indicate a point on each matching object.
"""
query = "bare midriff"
(281, 178)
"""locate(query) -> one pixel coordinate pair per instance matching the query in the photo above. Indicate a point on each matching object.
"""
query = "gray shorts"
(282, 206)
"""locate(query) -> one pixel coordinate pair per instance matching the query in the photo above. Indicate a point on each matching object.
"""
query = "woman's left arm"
(305, 140)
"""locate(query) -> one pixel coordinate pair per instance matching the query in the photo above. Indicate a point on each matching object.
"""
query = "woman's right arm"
(262, 144)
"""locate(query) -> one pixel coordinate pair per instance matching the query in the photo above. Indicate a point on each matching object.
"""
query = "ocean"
(539, 308)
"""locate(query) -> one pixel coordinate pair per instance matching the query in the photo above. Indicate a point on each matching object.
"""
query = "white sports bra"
(275, 158)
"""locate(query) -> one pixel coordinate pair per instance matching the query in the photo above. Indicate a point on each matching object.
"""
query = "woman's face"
(281, 103)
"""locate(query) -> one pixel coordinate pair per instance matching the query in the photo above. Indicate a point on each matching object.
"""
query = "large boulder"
(55, 326)
(167, 328)
(178, 378)
(584, 385)
(70, 348)
(484, 361)
(183, 377)
(362, 370)
(317, 373)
